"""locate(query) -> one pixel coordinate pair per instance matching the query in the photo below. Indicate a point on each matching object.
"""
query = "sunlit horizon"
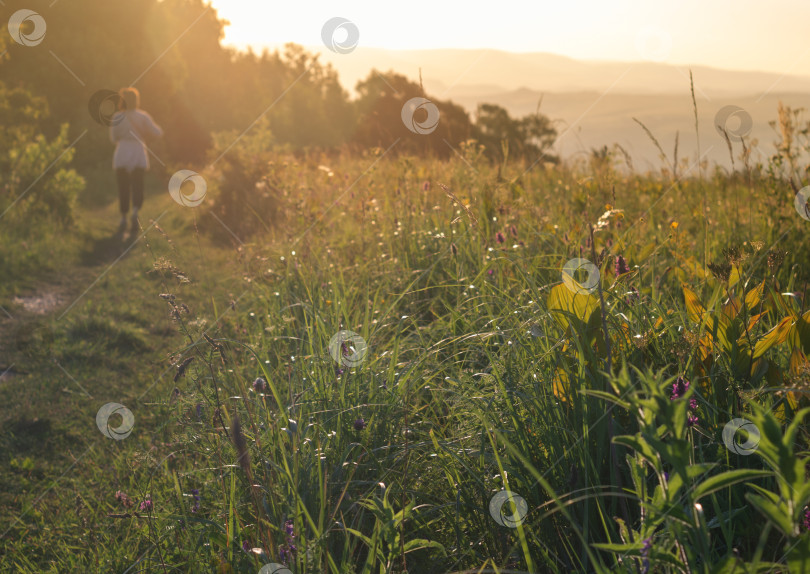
(743, 36)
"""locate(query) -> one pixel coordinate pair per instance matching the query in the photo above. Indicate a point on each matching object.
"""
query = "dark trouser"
(129, 183)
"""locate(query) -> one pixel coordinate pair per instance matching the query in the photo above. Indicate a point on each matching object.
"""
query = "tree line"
(171, 51)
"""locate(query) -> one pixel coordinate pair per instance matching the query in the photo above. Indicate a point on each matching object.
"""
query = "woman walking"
(130, 127)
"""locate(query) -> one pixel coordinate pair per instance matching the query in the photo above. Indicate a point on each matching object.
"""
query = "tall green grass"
(483, 373)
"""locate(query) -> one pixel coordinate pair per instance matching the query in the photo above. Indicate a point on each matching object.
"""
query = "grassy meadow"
(383, 343)
(483, 372)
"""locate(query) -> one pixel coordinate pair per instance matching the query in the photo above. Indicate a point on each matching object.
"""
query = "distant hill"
(482, 71)
(598, 98)
(588, 120)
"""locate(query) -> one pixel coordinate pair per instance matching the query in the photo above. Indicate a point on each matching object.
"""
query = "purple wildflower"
(425, 185)
(645, 554)
(123, 499)
(621, 266)
(345, 349)
(246, 546)
(146, 505)
(679, 388)
(196, 494)
(491, 272)
(286, 552)
(499, 237)
(806, 521)
(359, 424)
(259, 385)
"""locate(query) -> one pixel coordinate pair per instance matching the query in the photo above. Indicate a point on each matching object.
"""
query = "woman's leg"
(123, 190)
(136, 178)
(137, 189)
(123, 197)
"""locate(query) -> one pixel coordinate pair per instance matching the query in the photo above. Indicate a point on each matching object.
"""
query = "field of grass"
(264, 434)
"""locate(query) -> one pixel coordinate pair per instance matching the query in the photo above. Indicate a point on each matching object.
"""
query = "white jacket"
(128, 132)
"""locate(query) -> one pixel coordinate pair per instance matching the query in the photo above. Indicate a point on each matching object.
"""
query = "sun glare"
(718, 34)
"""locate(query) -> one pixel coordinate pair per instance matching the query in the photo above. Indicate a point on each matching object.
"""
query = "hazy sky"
(733, 34)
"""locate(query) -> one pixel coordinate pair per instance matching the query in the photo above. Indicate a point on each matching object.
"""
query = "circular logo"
(736, 128)
(497, 504)
(730, 432)
(653, 44)
(590, 283)
(340, 35)
(110, 409)
(192, 199)
(347, 348)
(15, 25)
(103, 107)
(274, 568)
(802, 202)
(426, 126)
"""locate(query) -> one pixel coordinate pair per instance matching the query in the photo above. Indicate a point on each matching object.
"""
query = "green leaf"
(609, 397)
(774, 337)
(730, 565)
(565, 305)
(693, 305)
(697, 470)
(642, 447)
(777, 515)
(361, 536)
(798, 557)
(623, 548)
(725, 479)
(734, 276)
(800, 333)
(420, 543)
(754, 296)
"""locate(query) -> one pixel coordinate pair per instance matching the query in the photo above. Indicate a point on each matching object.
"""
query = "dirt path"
(28, 318)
